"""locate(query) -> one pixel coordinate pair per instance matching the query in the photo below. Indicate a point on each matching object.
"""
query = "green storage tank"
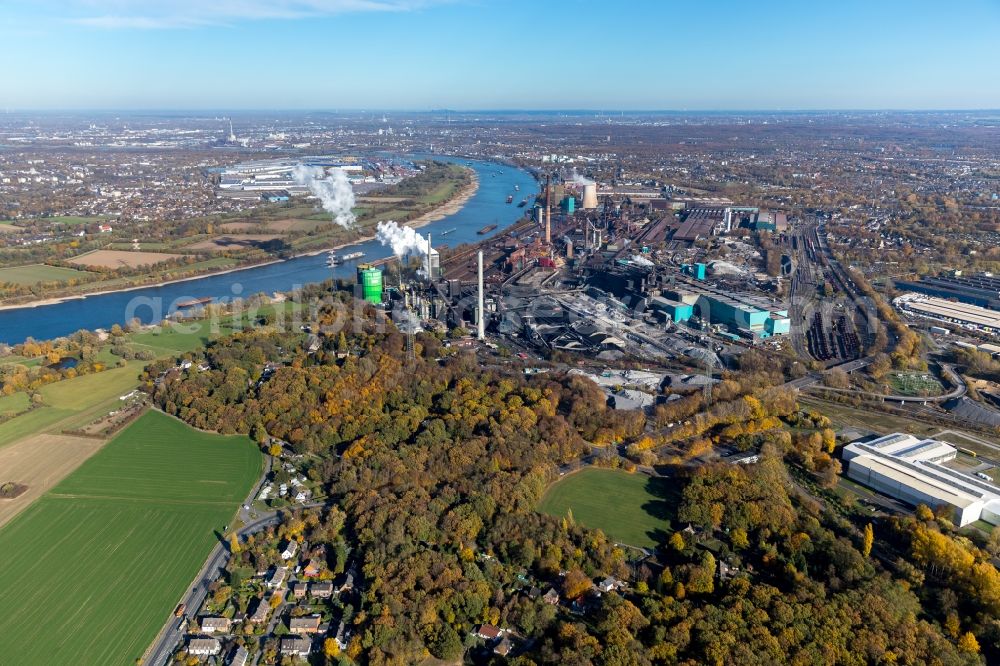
(370, 279)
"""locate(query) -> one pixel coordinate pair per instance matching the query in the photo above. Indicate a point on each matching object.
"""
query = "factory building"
(910, 469)
(702, 222)
(756, 219)
(674, 310)
(982, 290)
(747, 316)
(969, 316)
(696, 271)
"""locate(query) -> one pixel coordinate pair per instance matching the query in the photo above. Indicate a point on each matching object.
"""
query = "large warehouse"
(969, 316)
(910, 470)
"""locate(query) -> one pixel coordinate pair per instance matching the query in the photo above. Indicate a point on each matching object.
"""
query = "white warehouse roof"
(909, 469)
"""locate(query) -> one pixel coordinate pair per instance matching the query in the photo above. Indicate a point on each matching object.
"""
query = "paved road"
(814, 377)
(161, 649)
(173, 631)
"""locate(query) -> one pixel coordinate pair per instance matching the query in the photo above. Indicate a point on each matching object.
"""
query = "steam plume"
(580, 180)
(333, 191)
(640, 260)
(402, 240)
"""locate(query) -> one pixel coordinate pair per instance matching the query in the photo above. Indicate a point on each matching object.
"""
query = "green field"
(72, 403)
(188, 336)
(631, 508)
(93, 569)
(35, 273)
(13, 404)
(70, 219)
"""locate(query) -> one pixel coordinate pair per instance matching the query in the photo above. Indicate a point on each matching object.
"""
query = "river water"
(150, 304)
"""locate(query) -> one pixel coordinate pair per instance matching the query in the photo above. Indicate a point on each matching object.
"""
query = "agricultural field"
(8, 228)
(71, 403)
(121, 259)
(127, 532)
(236, 227)
(13, 404)
(71, 220)
(35, 273)
(634, 509)
(40, 462)
(153, 246)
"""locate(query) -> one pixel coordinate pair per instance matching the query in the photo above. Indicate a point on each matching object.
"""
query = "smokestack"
(548, 213)
(430, 266)
(482, 313)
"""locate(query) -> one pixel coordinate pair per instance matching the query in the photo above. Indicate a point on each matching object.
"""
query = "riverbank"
(449, 207)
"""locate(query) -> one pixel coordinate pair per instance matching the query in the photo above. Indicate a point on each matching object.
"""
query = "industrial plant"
(599, 273)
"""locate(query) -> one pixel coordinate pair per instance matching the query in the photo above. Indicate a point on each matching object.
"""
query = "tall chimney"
(548, 212)
(482, 314)
(430, 266)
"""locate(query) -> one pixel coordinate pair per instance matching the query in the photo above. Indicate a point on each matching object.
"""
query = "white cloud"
(170, 14)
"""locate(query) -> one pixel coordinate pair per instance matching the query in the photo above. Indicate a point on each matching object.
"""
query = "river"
(150, 304)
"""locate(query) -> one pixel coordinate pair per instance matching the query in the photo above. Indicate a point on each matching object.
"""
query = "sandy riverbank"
(449, 207)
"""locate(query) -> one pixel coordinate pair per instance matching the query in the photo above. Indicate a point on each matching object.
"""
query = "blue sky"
(497, 54)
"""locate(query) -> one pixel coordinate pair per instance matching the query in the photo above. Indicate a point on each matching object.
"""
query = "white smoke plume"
(580, 179)
(640, 260)
(402, 240)
(334, 191)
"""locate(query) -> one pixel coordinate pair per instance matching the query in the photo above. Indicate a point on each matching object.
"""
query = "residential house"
(240, 657)
(295, 647)
(321, 590)
(504, 647)
(304, 625)
(551, 597)
(277, 578)
(299, 590)
(203, 647)
(610, 583)
(211, 625)
(345, 583)
(291, 548)
(312, 569)
(488, 632)
(259, 615)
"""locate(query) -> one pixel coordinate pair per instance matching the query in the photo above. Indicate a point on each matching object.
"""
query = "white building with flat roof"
(909, 469)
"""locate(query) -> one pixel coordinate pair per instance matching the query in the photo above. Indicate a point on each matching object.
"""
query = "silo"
(590, 196)
(370, 279)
